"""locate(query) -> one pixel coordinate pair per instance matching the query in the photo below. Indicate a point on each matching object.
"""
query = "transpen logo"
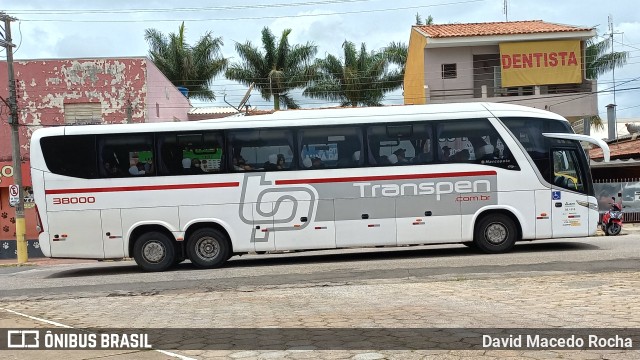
(274, 209)
(424, 188)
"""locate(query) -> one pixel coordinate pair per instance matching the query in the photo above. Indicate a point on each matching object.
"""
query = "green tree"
(359, 79)
(276, 71)
(396, 53)
(192, 67)
(419, 20)
(598, 61)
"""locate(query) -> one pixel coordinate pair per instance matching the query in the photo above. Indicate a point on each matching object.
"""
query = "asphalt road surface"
(326, 268)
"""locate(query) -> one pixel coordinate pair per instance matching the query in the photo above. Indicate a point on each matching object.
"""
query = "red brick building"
(57, 92)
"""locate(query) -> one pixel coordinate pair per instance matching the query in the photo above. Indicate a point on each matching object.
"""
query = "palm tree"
(419, 20)
(598, 61)
(397, 54)
(192, 67)
(277, 70)
(362, 79)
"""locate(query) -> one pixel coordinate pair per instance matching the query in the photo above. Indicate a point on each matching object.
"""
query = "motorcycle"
(612, 220)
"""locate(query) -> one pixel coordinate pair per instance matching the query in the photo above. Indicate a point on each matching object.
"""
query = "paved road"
(574, 283)
(598, 254)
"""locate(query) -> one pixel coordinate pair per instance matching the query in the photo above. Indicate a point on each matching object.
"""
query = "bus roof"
(311, 117)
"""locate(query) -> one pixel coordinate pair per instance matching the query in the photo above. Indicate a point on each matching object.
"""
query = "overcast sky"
(114, 28)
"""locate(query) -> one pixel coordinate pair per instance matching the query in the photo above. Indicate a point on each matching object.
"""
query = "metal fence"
(626, 191)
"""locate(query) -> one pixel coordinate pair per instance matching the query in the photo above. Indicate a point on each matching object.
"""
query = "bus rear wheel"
(208, 248)
(154, 251)
(495, 233)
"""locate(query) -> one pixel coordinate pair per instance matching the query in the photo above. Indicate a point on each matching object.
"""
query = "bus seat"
(484, 152)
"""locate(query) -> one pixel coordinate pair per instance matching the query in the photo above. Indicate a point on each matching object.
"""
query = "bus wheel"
(208, 248)
(495, 233)
(154, 251)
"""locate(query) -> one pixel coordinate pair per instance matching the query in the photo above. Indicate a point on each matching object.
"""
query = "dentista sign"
(540, 63)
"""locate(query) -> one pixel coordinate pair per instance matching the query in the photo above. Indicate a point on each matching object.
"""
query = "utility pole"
(21, 241)
(613, 73)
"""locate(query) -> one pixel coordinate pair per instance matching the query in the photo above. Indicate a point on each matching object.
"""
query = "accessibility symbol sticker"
(555, 195)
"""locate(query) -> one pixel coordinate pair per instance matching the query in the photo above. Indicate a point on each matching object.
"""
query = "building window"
(449, 71)
(83, 113)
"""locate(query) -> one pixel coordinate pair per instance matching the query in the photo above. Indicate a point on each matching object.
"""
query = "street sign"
(13, 195)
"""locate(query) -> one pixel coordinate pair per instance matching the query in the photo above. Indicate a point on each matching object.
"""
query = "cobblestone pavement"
(605, 299)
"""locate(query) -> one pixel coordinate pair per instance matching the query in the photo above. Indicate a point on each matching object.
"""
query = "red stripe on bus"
(385, 177)
(142, 188)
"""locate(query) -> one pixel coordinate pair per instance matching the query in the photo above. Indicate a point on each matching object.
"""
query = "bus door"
(113, 239)
(571, 184)
(569, 201)
(75, 233)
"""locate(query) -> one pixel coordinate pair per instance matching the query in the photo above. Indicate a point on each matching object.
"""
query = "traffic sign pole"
(21, 241)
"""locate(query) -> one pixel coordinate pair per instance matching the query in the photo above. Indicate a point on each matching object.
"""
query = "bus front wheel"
(495, 233)
(208, 248)
(154, 251)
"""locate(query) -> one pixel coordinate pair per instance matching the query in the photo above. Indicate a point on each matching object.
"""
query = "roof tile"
(495, 28)
(621, 149)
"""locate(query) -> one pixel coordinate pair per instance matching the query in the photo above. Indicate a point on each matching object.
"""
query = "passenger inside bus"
(400, 154)
(196, 168)
(137, 169)
(446, 153)
(111, 170)
(240, 164)
(425, 155)
(462, 155)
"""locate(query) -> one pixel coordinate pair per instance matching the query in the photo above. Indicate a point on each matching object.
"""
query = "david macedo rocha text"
(569, 342)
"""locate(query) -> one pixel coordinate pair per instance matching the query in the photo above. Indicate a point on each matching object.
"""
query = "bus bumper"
(45, 243)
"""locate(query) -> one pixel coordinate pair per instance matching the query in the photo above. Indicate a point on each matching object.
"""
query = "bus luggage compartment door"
(308, 226)
(423, 219)
(76, 234)
(365, 222)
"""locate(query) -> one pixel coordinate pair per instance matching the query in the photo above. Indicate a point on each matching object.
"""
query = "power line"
(253, 17)
(183, 9)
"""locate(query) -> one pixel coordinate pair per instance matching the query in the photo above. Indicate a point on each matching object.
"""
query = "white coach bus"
(482, 174)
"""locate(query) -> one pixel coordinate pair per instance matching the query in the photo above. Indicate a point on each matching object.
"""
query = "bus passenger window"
(261, 149)
(330, 147)
(190, 153)
(473, 141)
(400, 144)
(126, 155)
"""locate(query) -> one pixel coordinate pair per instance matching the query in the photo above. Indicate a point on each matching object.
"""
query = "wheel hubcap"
(207, 248)
(153, 251)
(496, 233)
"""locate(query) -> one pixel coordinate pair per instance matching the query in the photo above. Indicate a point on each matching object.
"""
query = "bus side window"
(405, 144)
(473, 141)
(72, 155)
(261, 149)
(330, 147)
(126, 155)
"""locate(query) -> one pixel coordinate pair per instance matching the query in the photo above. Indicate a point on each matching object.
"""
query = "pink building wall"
(164, 101)
(123, 87)
(119, 85)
